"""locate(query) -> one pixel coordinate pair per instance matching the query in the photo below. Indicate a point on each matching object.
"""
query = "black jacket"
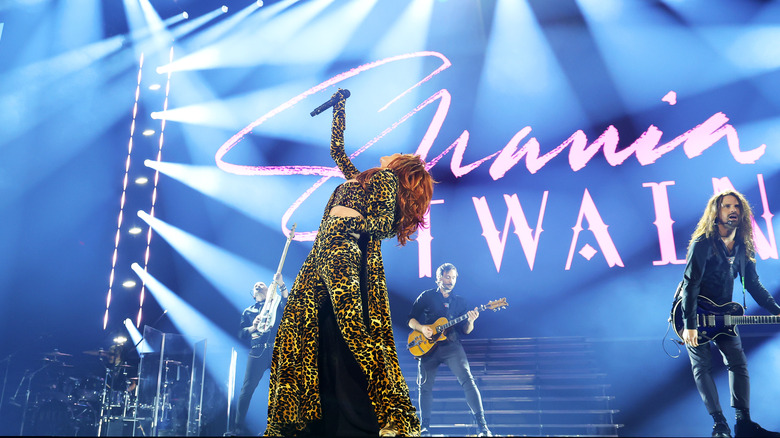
(710, 272)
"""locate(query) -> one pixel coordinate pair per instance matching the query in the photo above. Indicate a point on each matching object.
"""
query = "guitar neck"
(284, 256)
(755, 319)
(452, 322)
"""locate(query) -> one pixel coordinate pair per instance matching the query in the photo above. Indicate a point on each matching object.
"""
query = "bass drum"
(89, 389)
(63, 419)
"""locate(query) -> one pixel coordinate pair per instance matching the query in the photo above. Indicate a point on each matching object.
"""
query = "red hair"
(415, 190)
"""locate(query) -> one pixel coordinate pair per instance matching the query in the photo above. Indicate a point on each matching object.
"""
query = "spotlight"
(185, 15)
(119, 340)
(141, 180)
(259, 3)
(224, 9)
(154, 87)
(129, 283)
(135, 230)
(148, 132)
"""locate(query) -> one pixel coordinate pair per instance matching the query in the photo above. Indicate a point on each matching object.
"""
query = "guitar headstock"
(292, 231)
(497, 304)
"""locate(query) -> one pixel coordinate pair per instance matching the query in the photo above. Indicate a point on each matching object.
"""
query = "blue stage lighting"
(141, 346)
(263, 199)
(194, 326)
(229, 273)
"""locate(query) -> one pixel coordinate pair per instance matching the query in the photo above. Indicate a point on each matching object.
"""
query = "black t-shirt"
(431, 305)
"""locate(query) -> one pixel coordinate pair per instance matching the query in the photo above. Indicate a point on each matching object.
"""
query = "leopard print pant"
(332, 271)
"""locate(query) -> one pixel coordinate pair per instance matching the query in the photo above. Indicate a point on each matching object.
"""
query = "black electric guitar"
(418, 344)
(713, 320)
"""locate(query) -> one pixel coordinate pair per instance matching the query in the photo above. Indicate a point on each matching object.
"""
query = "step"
(458, 401)
(529, 386)
(528, 429)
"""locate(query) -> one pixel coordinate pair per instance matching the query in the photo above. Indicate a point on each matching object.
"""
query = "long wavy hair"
(415, 190)
(708, 225)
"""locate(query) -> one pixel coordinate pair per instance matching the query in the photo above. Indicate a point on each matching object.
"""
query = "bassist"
(262, 346)
(721, 249)
(428, 307)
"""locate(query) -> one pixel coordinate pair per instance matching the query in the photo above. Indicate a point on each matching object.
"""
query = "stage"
(155, 154)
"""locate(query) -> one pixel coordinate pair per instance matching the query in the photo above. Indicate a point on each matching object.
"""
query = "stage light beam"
(228, 273)
(194, 327)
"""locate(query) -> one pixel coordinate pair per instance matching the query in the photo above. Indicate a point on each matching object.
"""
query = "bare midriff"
(344, 211)
(341, 211)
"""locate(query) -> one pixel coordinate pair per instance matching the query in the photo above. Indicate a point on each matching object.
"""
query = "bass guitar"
(713, 320)
(418, 344)
(273, 297)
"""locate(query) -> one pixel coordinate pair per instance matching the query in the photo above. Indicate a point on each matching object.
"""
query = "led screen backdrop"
(575, 144)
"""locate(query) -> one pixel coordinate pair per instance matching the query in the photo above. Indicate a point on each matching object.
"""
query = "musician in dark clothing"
(261, 346)
(721, 249)
(427, 308)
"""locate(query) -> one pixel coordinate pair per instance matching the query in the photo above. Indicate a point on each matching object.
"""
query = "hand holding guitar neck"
(272, 300)
(420, 342)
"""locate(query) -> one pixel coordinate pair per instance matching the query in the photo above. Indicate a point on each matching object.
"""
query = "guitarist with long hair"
(431, 305)
(720, 250)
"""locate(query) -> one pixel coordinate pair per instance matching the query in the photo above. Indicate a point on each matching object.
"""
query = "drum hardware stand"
(103, 401)
(28, 376)
(7, 361)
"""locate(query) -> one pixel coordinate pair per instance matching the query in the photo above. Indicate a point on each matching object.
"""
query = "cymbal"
(100, 353)
(56, 362)
(56, 353)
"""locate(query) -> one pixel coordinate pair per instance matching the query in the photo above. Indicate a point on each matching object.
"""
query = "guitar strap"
(741, 267)
(677, 296)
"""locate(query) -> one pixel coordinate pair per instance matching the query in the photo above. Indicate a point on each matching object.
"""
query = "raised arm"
(337, 141)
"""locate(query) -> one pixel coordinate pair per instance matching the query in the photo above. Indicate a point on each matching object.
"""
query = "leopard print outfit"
(332, 271)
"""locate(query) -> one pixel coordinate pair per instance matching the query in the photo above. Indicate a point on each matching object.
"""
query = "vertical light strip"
(124, 194)
(154, 191)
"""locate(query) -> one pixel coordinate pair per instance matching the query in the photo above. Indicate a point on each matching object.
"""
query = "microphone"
(341, 94)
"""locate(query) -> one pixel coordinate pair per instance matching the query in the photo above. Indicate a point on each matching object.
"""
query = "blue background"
(68, 75)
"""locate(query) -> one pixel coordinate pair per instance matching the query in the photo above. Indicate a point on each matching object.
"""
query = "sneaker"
(721, 430)
(752, 429)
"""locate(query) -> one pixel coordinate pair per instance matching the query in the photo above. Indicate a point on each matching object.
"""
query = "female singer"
(335, 367)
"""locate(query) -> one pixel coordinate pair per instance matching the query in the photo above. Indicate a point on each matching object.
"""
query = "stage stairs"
(529, 386)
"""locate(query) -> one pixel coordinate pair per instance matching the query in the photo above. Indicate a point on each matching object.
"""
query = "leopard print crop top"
(351, 194)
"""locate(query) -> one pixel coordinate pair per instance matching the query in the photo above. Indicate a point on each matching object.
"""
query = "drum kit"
(59, 398)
